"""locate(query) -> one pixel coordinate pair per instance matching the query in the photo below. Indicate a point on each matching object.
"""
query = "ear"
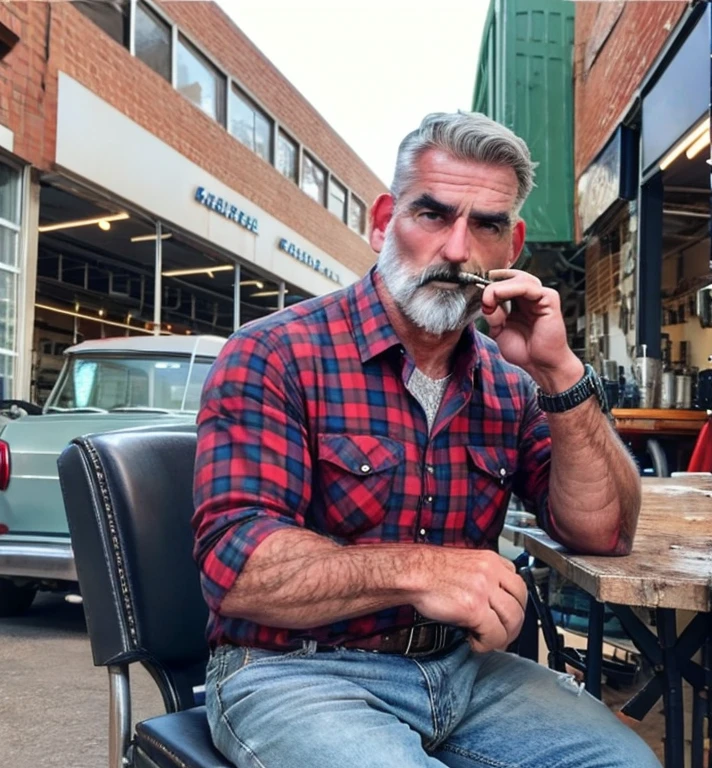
(519, 234)
(380, 214)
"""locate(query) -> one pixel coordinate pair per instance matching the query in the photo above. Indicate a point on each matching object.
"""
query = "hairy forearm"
(594, 483)
(298, 579)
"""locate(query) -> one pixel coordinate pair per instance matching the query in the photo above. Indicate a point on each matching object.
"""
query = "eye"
(490, 227)
(431, 216)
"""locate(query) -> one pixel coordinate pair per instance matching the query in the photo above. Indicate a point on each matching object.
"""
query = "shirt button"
(430, 468)
(428, 499)
(365, 468)
(502, 472)
(423, 532)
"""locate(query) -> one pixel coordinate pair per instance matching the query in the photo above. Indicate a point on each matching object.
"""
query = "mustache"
(446, 274)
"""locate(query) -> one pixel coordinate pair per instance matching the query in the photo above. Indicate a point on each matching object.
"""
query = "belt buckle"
(438, 644)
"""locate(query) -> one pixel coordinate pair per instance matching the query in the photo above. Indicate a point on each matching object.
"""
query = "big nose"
(457, 246)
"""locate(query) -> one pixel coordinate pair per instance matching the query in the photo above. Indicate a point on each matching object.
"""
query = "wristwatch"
(587, 386)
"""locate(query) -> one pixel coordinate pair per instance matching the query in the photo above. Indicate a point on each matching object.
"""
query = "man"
(356, 455)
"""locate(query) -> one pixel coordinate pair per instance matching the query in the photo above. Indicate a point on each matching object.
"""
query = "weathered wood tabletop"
(658, 421)
(671, 562)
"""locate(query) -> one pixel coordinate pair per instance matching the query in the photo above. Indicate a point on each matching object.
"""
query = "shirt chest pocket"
(356, 478)
(491, 472)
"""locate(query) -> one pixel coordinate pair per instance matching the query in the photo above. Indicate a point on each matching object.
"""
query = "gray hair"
(466, 136)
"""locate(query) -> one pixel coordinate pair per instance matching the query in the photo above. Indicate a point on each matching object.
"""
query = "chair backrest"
(128, 497)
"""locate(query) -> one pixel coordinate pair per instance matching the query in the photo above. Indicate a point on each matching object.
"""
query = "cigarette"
(470, 277)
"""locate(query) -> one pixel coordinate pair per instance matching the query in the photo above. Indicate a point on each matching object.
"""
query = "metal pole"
(119, 714)
(236, 300)
(594, 648)
(280, 297)
(649, 267)
(672, 689)
(158, 282)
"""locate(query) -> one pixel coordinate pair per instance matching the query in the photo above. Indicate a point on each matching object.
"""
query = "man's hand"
(533, 334)
(478, 590)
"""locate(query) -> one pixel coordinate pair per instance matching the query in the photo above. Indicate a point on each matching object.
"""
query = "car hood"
(52, 431)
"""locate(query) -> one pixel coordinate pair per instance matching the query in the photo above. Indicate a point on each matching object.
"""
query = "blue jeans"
(358, 709)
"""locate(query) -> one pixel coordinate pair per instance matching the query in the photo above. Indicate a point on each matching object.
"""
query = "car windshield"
(122, 383)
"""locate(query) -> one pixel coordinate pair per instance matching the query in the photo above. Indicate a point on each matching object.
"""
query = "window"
(9, 274)
(112, 16)
(313, 179)
(121, 383)
(200, 82)
(337, 199)
(153, 41)
(286, 160)
(357, 215)
(250, 126)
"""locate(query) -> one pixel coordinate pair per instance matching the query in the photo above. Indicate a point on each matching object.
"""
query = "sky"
(372, 69)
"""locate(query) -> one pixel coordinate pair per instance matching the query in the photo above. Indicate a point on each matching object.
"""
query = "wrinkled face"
(455, 216)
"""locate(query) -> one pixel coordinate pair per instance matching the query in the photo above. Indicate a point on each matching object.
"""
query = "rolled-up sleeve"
(532, 481)
(253, 466)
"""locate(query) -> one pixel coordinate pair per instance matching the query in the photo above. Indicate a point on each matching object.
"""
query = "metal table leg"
(672, 690)
(594, 648)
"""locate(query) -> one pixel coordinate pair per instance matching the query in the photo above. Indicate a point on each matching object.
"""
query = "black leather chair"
(128, 497)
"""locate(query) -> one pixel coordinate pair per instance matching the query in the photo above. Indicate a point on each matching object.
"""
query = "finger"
(509, 611)
(516, 288)
(490, 633)
(495, 316)
(514, 584)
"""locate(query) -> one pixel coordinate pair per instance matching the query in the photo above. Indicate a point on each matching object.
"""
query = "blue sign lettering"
(226, 209)
(306, 258)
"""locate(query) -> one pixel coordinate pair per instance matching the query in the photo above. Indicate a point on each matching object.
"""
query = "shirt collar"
(372, 329)
(374, 333)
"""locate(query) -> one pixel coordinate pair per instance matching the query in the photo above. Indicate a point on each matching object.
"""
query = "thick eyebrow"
(480, 217)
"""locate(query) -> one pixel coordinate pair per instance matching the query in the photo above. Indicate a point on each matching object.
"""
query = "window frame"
(355, 200)
(282, 134)
(308, 157)
(257, 111)
(343, 216)
(221, 77)
(152, 12)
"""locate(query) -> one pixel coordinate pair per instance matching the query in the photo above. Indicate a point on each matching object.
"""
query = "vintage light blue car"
(104, 385)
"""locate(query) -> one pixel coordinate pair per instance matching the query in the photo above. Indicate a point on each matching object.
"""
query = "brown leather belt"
(419, 640)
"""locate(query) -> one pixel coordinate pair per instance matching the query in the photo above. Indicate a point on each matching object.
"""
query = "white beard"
(435, 310)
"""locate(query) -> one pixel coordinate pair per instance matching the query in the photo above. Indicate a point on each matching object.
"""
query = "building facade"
(158, 175)
(642, 138)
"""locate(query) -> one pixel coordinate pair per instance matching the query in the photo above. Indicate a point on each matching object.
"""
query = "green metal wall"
(525, 80)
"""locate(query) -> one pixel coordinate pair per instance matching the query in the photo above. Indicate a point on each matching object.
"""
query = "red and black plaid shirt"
(306, 421)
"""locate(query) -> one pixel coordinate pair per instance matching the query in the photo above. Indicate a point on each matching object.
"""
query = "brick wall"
(615, 45)
(56, 36)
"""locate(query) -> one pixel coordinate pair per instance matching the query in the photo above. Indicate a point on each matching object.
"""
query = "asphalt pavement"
(54, 703)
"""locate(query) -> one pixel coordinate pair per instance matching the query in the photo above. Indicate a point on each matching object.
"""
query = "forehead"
(462, 182)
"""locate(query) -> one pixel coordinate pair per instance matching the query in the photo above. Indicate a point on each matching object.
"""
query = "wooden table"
(670, 569)
(658, 421)
(666, 436)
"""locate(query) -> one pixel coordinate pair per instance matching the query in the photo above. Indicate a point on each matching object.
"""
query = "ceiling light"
(149, 238)
(104, 225)
(83, 222)
(266, 293)
(94, 319)
(199, 271)
(256, 283)
(694, 149)
(684, 143)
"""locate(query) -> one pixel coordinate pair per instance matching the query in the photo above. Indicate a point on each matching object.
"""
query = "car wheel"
(14, 599)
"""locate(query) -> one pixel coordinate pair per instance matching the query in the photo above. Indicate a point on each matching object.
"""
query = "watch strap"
(587, 386)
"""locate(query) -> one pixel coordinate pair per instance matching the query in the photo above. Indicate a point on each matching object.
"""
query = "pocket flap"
(500, 463)
(360, 454)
